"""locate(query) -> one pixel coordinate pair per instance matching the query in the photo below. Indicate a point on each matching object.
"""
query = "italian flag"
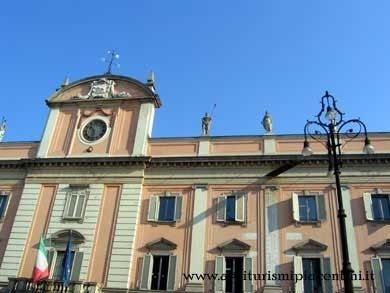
(41, 269)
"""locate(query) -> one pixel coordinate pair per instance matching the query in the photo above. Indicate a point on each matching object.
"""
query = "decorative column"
(272, 251)
(198, 223)
(351, 240)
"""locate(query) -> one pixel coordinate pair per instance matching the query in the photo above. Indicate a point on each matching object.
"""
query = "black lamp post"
(333, 127)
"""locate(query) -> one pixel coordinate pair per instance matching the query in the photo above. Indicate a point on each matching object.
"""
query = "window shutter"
(178, 207)
(327, 269)
(295, 206)
(321, 208)
(146, 275)
(76, 266)
(368, 205)
(376, 267)
(153, 208)
(171, 273)
(220, 268)
(248, 272)
(240, 207)
(221, 209)
(50, 258)
(298, 269)
(80, 204)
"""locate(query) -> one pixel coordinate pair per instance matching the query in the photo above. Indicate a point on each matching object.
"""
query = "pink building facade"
(189, 214)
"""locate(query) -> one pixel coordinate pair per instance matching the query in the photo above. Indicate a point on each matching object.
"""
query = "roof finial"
(111, 60)
(65, 81)
(2, 129)
(150, 81)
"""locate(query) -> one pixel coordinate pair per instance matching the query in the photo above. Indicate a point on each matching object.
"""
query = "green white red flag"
(41, 269)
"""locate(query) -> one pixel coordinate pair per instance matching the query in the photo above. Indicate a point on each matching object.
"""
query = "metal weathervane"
(111, 60)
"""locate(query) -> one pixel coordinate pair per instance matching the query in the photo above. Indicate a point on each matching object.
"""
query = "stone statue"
(2, 129)
(206, 122)
(267, 123)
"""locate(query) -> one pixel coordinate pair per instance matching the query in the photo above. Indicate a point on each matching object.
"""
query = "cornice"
(197, 162)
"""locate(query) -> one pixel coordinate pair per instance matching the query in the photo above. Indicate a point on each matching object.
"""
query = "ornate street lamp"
(331, 125)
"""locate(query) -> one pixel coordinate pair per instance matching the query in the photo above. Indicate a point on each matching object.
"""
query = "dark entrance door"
(312, 269)
(234, 271)
(160, 272)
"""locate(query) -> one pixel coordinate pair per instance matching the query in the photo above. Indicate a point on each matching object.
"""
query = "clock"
(94, 130)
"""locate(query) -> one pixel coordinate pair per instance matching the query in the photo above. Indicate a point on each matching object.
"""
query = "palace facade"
(195, 214)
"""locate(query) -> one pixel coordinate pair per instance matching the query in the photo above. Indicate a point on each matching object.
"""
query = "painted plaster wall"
(177, 233)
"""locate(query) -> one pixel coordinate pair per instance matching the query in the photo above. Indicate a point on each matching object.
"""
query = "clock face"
(94, 130)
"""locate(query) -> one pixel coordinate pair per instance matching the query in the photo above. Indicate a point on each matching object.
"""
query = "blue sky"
(245, 56)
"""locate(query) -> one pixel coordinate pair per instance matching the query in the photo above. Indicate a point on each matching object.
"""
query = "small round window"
(94, 130)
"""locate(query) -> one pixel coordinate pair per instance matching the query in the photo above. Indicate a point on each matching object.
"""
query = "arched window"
(57, 246)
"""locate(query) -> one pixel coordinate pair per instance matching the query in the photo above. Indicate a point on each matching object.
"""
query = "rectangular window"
(167, 208)
(231, 208)
(3, 205)
(386, 274)
(307, 208)
(380, 207)
(76, 200)
(312, 270)
(58, 265)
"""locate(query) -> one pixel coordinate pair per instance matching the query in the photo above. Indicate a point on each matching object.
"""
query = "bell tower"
(100, 116)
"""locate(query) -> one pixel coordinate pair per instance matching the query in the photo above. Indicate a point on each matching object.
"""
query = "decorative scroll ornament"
(103, 89)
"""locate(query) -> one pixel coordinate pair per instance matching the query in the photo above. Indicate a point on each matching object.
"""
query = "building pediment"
(309, 245)
(382, 246)
(103, 87)
(234, 245)
(161, 244)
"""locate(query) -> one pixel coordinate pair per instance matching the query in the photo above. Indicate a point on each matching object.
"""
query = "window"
(3, 204)
(76, 200)
(158, 272)
(380, 207)
(377, 206)
(381, 270)
(165, 208)
(233, 268)
(308, 208)
(56, 253)
(58, 269)
(313, 268)
(231, 207)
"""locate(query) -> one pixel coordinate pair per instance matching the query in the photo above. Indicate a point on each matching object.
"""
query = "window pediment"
(161, 244)
(234, 245)
(309, 245)
(383, 246)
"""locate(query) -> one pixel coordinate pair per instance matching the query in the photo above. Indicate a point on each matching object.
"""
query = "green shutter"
(221, 208)
(240, 207)
(321, 207)
(76, 266)
(50, 257)
(295, 207)
(327, 269)
(376, 267)
(368, 205)
(171, 273)
(146, 274)
(153, 206)
(248, 275)
(219, 285)
(178, 207)
(298, 269)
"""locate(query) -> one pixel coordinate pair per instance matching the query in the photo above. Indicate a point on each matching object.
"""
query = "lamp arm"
(354, 135)
(307, 131)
